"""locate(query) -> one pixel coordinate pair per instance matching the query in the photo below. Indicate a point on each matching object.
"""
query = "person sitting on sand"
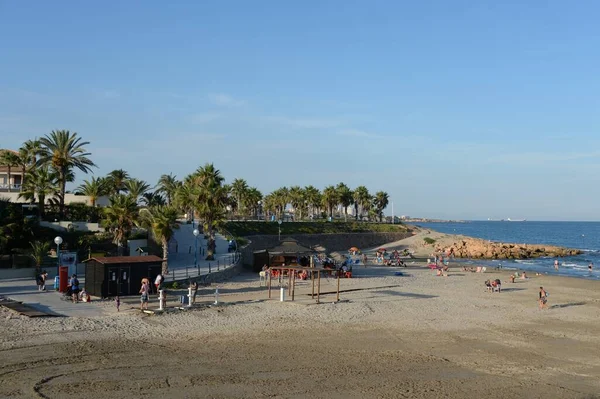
(523, 276)
(543, 298)
(512, 278)
(488, 285)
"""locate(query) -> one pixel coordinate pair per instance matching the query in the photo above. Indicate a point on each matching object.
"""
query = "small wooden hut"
(288, 252)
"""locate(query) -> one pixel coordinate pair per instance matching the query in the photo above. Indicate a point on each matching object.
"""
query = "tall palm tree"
(380, 201)
(41, 183)
(153, 199)
(9, 159)
(313, 196)
(298, 200)
(210, 203)
(361, 197)
(239, 190)
(120, 217)
(136, 188)
(281, 197)
(64, 151)
(167, 185)
(330, 198)
(116, 181)
(162, 221)
(345, 197)
(252, 198)
(95, 188)
(39, 250)
(185, 197)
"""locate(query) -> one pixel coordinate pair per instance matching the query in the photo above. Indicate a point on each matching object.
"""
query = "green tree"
(39, 250)
(345, 197)
(116, 181)
(362, 199)
(162, 221)
(136, 188)
(168, 185)
(119, 218)
(64, 151)
(298, 200)
(313, 197)
(380, 202)
(153, 199)
(210, 203)
(239, 190)
(94, 189)
(330, 199)
(9, 159)
(41, 183)
(252, 198)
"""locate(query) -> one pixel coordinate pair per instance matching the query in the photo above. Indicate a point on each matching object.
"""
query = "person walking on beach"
(556, 264)
(74, 283)
(194, 291)
(118, 303)
(144, 291)
(41, 280)
(543, 298)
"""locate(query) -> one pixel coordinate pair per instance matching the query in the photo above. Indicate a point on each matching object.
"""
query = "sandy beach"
(410, 336)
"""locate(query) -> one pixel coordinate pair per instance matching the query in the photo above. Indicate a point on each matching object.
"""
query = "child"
(118, 303)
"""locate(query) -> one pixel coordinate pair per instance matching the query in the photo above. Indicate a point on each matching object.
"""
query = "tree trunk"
(22, 178)
(356, 211)
(9, 175)
(165, 261)
(345, 214)
(41, 203)
(210, 247)
(63, 189)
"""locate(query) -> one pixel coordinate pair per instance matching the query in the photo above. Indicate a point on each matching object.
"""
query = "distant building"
(16, 177)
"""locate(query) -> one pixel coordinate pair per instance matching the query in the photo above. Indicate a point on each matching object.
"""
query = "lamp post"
(196, 232)
(258, 210)
(58, 240)
(279, 223)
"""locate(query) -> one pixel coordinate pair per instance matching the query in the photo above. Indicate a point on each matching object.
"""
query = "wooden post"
(293, 286)
(270, 272)
(318, 285)
(338, 289)
(290, 273)
(312, 280)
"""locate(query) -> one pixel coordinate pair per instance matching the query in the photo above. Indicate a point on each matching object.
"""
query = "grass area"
(242, 229)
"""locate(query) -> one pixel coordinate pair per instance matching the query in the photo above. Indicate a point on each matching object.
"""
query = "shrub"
(429, 240)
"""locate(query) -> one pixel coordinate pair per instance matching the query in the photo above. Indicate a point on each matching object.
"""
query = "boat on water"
(516, 220)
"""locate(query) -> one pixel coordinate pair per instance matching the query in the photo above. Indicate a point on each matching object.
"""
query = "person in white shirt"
(158, 282)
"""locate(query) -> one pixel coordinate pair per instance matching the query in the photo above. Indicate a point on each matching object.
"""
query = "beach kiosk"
(119, 275)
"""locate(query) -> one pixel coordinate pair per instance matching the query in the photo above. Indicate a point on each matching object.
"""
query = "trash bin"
(63, 274)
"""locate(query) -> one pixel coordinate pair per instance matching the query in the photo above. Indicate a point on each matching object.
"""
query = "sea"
(580, 235)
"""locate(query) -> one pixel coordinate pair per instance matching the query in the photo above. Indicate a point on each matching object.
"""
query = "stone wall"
(328, 242)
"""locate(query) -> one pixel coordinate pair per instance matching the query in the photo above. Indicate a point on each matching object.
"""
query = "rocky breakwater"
(466, 247)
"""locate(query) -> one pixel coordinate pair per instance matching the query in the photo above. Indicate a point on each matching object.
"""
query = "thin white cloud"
(225, 100)
(204, 117)
(357, 133)
(304, 123)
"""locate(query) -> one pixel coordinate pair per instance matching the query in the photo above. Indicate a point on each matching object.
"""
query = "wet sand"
(411, 336)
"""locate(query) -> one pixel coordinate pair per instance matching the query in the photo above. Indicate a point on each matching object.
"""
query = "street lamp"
(279, 223)
(258, 210)
(196, 232)
(58, 240)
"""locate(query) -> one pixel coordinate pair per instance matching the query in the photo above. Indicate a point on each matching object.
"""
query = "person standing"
(144, 291)
(556, 264)
(590, 266)
(41, 280)
(118, 303)
(194, 291)
(543, 298)
(74, 283)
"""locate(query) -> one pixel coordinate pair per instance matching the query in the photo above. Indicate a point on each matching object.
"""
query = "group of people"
(146, 290)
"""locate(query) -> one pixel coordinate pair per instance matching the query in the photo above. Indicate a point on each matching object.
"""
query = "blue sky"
(457, 109)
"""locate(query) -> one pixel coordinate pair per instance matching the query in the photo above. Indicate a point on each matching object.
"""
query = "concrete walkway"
(26, 291)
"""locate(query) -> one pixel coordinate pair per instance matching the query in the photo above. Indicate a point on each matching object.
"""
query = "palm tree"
(252, 198)
(120, 217)
(345, 197)
(210, 203)
(39, 250)
(185, 197)
(9, 159)
(239, 190)
(136, 188)
(153, 199)
(330, 199)
(167, 185)
(298, 200)
(380, 201)
(162, 221)
(41, 183)
(64, 151)
(116, 181)
(361, 198)
(95, 188)
(313, 197)
(280, 198)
